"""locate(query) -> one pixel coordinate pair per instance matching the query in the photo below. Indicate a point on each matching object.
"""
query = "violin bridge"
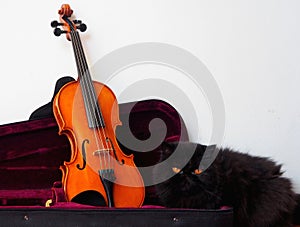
(102, 152)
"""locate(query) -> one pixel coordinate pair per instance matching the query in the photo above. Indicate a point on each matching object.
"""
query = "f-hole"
(83, 155)
(120, 162)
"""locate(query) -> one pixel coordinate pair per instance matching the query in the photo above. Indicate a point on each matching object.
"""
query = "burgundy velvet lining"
(31, 152)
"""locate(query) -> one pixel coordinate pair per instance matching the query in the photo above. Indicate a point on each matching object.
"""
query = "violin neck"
(93, 111)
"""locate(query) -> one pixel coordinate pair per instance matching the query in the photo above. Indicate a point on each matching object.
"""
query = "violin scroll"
(68, 25)
(65, 10)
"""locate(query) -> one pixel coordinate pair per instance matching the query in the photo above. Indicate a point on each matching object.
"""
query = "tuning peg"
(55, 23)
(77, 21)
(82, 27)
(58, 31)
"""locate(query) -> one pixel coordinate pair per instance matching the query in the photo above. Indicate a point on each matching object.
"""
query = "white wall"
(251, 47)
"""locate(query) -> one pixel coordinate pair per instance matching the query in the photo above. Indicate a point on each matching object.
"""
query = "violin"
(86, 111)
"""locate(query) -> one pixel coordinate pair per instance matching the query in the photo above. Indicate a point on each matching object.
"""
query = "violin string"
(80, 69)
(96, 107)
(92, 102)
(93, 105)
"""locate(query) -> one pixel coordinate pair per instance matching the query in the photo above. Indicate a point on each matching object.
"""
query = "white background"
(251, 47)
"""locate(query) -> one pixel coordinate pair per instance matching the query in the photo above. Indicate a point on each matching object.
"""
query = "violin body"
(89, 156)
(87, 112)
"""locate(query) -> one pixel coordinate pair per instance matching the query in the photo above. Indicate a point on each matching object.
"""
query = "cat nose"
(187, 184)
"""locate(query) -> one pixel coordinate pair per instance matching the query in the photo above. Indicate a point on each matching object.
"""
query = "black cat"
(253, 186)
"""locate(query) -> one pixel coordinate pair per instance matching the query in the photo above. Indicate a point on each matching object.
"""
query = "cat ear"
(209, 156)
(204, 148)
(201, 147)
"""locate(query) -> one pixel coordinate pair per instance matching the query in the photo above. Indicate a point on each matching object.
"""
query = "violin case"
(31, 192)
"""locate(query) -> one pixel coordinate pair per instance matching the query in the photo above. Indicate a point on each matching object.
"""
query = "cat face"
(183, 165)
(188, 184)
(182, 158)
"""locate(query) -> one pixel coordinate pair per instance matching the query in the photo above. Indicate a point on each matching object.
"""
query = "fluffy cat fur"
(253, 186)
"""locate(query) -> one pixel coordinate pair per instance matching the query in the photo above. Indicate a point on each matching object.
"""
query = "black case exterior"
(116, 217)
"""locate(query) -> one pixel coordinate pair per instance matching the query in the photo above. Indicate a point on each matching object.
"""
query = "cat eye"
(197, 171)
(176, 170)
